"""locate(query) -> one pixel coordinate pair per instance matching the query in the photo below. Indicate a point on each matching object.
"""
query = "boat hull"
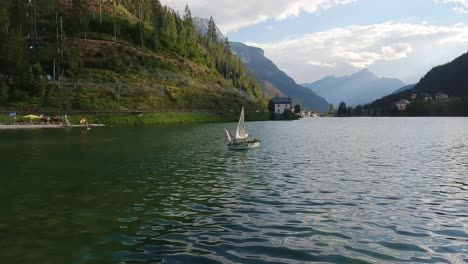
(244, 146)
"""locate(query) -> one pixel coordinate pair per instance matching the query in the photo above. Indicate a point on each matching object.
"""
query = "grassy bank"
(173, 118)
(149, 119)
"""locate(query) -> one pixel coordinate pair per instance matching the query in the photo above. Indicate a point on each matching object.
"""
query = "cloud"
(461, 6)
(344, 50)
(235, 15)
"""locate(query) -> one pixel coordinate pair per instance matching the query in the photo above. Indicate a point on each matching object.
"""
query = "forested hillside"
(450, 78)
(114, 54)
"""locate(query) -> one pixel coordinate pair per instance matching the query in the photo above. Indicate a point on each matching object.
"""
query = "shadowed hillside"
(267, 71)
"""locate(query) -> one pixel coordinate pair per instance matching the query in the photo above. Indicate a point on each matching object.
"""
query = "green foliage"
(332, 109)
(342, 109)
(297, 109)
(155, 50)
(3, 92)
(288, 114)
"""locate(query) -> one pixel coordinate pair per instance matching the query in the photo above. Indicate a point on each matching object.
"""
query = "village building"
(281, 104)
(402, 105)
(310, 114)
(441, 96)
(414, 96)
(426, 97)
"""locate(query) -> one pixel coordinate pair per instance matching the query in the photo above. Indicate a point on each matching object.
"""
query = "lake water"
(357, 190)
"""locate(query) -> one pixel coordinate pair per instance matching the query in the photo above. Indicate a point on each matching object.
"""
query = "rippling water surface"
(318, 190)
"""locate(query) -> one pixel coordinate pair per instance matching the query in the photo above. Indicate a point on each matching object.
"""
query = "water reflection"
(329, 190)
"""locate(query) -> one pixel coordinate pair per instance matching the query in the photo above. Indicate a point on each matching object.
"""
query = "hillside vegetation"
(115, 54)
(450, 78)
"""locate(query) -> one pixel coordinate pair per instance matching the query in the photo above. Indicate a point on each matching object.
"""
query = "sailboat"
(240, 141)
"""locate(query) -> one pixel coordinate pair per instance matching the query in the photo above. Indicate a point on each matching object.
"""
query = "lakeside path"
(147, 119)
(44, 126)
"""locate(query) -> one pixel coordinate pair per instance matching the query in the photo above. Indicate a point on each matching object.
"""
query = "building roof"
(443, 94)
(282, 100)
(403, 101)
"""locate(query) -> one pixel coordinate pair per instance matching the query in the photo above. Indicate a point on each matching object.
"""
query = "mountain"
(268, 72)
(201, 24)
(405, 88)
(134, 55)
(360, 88)
(450, 78)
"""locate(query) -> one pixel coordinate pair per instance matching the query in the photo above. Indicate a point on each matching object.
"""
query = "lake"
(328, 190)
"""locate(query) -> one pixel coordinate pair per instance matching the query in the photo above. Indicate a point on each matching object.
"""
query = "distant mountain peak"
(360, 88)
(364, 73)
(275, 79)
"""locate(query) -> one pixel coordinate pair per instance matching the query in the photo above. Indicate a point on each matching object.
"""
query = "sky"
(312, 39)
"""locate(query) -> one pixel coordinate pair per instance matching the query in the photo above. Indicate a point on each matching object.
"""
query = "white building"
(281, 104)
(441, 96)
(402, 104)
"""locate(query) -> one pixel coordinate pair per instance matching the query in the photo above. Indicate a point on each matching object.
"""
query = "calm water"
(319, 190)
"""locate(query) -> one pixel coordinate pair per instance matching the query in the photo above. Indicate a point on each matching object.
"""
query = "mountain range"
(274, 80)
(360, 88)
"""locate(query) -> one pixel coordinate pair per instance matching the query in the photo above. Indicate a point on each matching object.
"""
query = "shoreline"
(146, 119)
(43, 126)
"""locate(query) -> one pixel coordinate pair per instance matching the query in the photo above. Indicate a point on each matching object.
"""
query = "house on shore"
(310, 114)
(426, 97)
(281, 104)
(402, 105)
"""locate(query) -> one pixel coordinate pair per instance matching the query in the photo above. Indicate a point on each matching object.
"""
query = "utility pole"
(61, 39)
(35, 22)
(54, 70)
(57, 31)
(115, 26)
(140, 14)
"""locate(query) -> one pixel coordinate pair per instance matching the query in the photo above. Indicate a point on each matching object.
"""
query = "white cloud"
(322, 64)
(232, 15)
(391, 47)
(461, 6)
(396, 51)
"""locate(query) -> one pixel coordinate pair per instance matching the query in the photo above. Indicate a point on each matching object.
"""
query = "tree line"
(38, 40)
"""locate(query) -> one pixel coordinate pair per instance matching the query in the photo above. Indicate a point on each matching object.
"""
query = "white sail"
(241, 133)
(228, 135)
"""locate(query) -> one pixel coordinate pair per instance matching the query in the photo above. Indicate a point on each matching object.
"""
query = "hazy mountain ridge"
(405, 88)
(357, 89)
(266, 70)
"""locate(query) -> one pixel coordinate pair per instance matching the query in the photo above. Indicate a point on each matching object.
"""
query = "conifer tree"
(188, 15)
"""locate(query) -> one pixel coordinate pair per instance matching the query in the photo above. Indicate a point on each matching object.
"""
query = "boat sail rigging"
(240, 142)
(241, 133)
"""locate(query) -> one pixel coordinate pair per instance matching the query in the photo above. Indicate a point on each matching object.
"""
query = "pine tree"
(212, 32)
(227, 51)
(156, 11)
(188, 15)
